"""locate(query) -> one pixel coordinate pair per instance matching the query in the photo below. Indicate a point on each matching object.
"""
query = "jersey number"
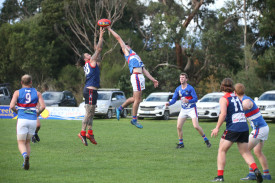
(28, 98)
(86, 69)
(237, 103)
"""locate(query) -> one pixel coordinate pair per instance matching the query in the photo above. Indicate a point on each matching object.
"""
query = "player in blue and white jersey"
(188, 97)
(236, 130)
(137, 70)
(26, 100)
(90, 65)
(259, 133)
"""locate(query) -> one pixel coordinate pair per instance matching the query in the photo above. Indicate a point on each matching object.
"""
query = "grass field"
(123, 154)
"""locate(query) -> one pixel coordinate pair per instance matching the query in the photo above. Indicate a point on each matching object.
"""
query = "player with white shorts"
(188, 97)
(259, 133)
(138, 82)
(25, 129)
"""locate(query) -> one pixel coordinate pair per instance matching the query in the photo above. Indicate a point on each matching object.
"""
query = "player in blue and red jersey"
(90, 65)
(137, 70)
(188, 97)
(236, 130)
(259, 133)
(26, 99)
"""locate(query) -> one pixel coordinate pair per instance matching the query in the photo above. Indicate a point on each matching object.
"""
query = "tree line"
(45, 38)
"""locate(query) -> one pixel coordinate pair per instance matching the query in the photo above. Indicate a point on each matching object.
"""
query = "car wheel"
(166, 115)
(109, 114)
(124, 113)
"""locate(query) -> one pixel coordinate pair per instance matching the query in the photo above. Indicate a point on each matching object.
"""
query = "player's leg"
(221, 159)
(194, 116)
(90, 134)
(35, 137)
(180, 122)
(262, 159)
(125, 104)
(247, 156)
(137, 99)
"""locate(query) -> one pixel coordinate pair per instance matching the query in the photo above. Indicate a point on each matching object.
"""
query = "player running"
(26, 99)
(259, 133)
(188, 98)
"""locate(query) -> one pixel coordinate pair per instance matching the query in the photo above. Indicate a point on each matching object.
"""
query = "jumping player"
(137, 70)
(188, 98)
(236, 130)
(92, 74)
(26, 99)
(259, 132)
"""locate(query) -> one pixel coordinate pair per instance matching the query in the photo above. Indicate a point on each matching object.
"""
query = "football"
(103, 22)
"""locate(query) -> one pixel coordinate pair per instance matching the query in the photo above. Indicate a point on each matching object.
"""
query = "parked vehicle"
(5, 95)
(154, 106)
(266, 104)
(108, 100)
(208, 106)
(58, 99)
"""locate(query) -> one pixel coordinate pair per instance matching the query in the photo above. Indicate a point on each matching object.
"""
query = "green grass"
(123, 154)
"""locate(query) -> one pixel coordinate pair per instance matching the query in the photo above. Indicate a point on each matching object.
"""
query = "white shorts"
(261, 133)
(26, 126)
(138, 82)
(192, 113)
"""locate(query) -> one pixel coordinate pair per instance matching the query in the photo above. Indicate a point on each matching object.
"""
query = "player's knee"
(258, 152)
(197, 127)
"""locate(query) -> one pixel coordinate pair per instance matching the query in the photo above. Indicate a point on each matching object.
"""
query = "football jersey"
(92, 75)
(26, 103)
(254, 115)
(188, 93)
(133, 60)
(235, 118)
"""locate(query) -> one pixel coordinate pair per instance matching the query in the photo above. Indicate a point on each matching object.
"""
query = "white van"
(266, 104)
(154, 106)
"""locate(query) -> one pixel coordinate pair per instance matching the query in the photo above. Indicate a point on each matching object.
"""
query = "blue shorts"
(90, 96)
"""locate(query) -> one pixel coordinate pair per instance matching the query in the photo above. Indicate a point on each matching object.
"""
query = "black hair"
(81, 61)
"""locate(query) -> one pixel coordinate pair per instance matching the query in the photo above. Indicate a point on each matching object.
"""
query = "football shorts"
(138, 82)
(236, 136)
(26, 126)
(192, 113)
(260, 133)
(90, 96)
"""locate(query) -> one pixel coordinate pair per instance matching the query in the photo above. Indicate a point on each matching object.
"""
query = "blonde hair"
(26, 79)
(239, 89)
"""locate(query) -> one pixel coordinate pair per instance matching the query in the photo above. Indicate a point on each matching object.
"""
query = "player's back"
(26, 103)
(235, 118)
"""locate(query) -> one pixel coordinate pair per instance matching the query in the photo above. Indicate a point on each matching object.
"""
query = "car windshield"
(267, 96)
(157, 98)
(104, 96)
(57, 96)
(211, 98)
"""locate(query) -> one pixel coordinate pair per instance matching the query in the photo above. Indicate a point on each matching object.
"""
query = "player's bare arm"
(222, 116)
(148, 75)
(41, 104)
(247, 104)
(120, 41)
(99, 46)
(13, 101)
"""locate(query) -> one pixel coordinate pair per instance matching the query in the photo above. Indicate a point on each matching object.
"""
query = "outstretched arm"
(99, 45)
(120, 41)
(148, 75)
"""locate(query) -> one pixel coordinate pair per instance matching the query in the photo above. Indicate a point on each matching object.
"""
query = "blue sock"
(204, 137)
(134, 118)
(266, 172)
(24, 154)
(120, 108)
(180, 141)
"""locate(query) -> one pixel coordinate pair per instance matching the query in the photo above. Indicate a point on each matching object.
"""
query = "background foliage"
(36, 37)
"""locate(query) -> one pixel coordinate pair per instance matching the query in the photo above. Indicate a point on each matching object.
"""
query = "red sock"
(253, 166)
(220, 172)
(83, 133)
(90, 132)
